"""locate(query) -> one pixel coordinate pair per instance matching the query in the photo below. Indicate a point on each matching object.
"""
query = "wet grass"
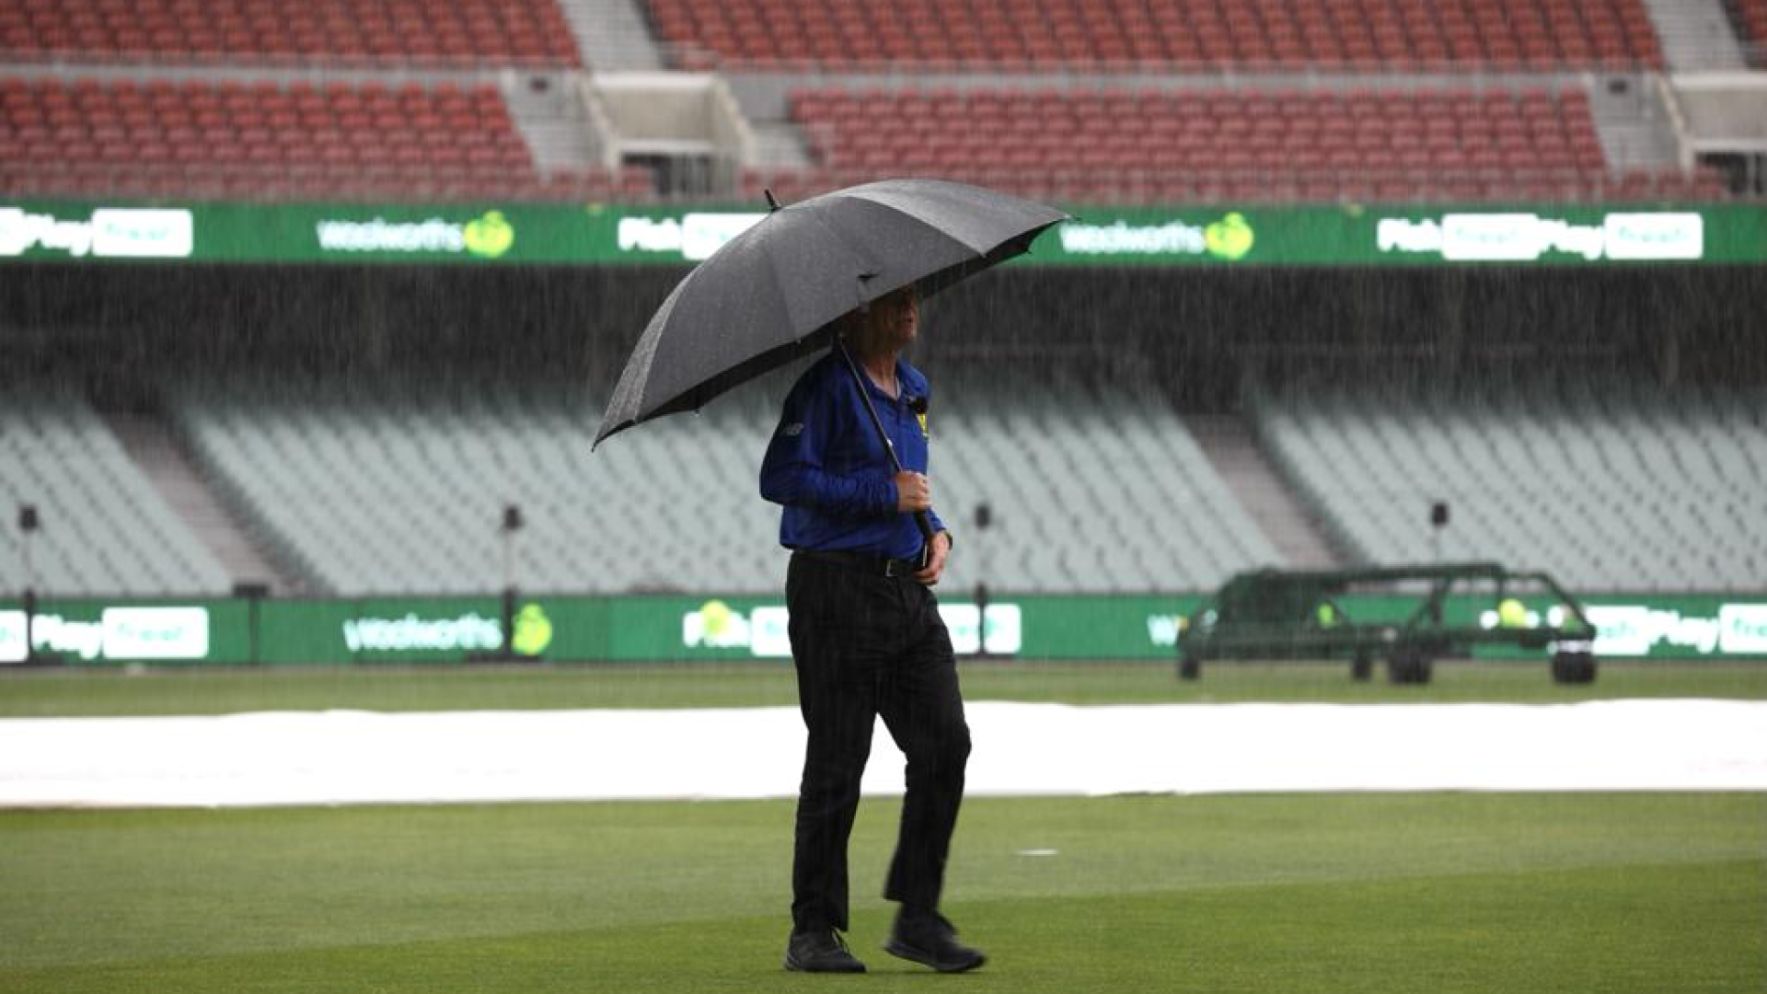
(1371, 893)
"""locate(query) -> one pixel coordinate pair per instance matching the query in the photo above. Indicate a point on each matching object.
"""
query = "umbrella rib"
(859, 273)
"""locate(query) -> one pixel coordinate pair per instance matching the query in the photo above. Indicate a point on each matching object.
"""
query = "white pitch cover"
(353, 757)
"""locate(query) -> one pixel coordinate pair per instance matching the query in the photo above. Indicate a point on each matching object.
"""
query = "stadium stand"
(399, 492)
(1181, 35)
(493, 33)
(403, 491)
(1165, 146)
(1525, 133)
(266, 141)
(1094, 486)
(104, 530)
(1610, 487)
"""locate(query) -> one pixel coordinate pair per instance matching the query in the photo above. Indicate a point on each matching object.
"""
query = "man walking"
(866, 636)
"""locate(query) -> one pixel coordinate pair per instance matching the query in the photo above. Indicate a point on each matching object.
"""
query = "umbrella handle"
(921, 519)
(925, 522)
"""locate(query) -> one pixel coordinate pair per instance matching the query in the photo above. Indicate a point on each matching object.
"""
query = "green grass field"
(1332, 893)
(207, 691)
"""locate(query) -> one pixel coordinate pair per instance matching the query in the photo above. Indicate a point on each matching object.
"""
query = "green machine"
(1409, 616)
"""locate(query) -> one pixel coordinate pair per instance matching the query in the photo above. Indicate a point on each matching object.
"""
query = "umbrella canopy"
(771, 294)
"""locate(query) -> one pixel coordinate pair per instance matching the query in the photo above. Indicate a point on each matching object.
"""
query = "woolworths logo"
(1229, 238)
(469, 632)
(487, 236)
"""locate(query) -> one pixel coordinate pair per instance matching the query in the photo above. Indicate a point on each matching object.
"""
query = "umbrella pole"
(920, 517)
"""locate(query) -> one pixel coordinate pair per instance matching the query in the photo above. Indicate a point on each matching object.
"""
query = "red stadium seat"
(1006, 36)
(260, 142)
(1127, 147)
(510, 32)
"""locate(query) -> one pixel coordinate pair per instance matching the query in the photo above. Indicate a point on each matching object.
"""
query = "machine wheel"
(1409, 666)
(1573, 667)
(1361, 667)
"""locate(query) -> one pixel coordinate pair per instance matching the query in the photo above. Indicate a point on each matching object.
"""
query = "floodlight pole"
(28, 524)
(984, 518)
(512, 523)
(1438, 523)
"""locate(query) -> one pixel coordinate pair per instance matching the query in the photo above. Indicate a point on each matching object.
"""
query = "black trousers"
(867, 645)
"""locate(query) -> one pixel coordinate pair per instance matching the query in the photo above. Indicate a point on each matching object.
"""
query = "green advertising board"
(454, 630)
(600, 234)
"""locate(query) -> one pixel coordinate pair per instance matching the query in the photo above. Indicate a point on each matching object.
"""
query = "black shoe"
(820, 951)
(931, 941)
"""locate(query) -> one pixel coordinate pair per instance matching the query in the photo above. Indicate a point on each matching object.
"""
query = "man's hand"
(936, 565)
(914, 492)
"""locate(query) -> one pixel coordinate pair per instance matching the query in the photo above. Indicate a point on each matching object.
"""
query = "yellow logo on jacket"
(921, 417)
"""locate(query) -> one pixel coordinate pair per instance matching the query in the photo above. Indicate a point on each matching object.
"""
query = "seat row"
(1007, 35)
(1153, 145)
(1093, 486)
(1604, 489)
(265, 142)
(102, 527)
(367, 32)
(402, 492)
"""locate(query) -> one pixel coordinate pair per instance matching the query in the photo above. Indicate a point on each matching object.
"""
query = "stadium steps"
(554, 123)
(150, 444)
(1696, 35)
(612, 34)
(1634, 127)
(780, 145)
(1233, 449)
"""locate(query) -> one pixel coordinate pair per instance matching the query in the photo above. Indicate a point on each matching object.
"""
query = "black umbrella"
(772, 293)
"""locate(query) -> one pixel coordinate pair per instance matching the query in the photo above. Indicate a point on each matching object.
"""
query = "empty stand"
(1093, 489)
(104, 530)
(367, 32)
(268, 141)
(998, 35)
(1609, 488)
(403, 492)
(1166, 146)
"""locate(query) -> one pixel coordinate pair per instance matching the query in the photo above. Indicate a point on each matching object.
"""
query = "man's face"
(895, 319)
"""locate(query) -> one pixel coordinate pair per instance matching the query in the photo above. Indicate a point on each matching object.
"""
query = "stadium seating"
(1093, 487)
(1009, 35)
(369, 32)
(403, 491)
(265, 141)
(104, 529)
(1608, 487)
(1165, 146)
(397, 492)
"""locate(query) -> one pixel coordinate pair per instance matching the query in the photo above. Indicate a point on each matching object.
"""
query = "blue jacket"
(828, 468)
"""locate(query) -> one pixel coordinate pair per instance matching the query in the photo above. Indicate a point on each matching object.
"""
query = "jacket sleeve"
(793, 474)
